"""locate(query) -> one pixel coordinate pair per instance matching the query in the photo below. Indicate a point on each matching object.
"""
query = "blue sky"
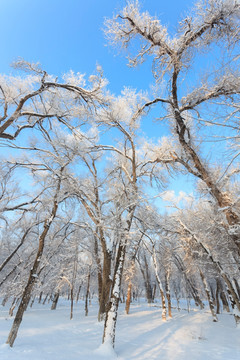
(64, 35)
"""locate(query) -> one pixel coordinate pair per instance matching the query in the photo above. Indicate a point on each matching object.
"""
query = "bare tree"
(34, 270)
(210, 24)
(28, 101)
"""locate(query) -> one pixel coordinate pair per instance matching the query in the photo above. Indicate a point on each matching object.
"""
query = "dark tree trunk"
(106, 285)
(55, 300)
(217, 297)
(78, 293)
(33, 273)
(45, 299)
(72, 300)
(40, 297)
(87, 291)
(202, 172)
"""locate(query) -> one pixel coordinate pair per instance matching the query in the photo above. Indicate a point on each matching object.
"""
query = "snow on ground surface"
(141, 335)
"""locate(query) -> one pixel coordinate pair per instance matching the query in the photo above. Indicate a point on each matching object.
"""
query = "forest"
(86, 204)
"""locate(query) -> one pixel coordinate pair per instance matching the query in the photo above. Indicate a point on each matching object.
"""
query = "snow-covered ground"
(141, 335)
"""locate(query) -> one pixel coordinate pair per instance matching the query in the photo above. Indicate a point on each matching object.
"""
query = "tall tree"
(211, 25)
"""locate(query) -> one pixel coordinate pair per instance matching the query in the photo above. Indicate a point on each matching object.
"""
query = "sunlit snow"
(141, 335)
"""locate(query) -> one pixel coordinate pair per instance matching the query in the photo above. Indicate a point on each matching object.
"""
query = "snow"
(141, 335)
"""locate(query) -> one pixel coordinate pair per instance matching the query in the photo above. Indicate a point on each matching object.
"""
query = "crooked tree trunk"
(33, 273)
(222, 199)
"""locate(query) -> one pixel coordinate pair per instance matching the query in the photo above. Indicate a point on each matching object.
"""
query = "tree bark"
(55, 300)
(217, 297)
(111, 315)
(129, 296)
(168, 293)
(87, 291)
(106, 284)
(33, 273)
(223, 200)
(190, 285)
(209, 297)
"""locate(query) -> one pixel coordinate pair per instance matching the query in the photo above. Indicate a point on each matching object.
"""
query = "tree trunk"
(72, 300)
(155, 265)
(99, 268)
(164, 309)
(231, 291)
(217, 297)
(223, 296)
(147, 281)
(40, 297)
(129, 295)
(87, 291)
(168, 294)
(223, 200)
(106, 285)
(45, 299)
(55, 300)
(32, 301)
(209, 297)
(33, 273)
(192, 289)
(111, 315)
(5, 299)
(14, 304)
(15, 250)
(78, 293)
(237, 287)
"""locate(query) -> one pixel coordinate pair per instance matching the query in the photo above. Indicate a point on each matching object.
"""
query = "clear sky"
(67, 34)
